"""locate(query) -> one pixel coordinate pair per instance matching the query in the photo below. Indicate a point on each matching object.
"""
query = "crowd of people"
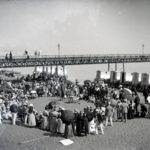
(111, 105)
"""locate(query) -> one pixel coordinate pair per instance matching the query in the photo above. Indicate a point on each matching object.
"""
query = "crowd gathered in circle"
(110, 104)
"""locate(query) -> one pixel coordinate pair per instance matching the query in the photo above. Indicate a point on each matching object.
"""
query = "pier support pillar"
(115, 66)
(63, 70)
(145, 79)
(35, 69)
(122, 77)
(108, 67)
(43, 69)
(50, 69)
(135, 78)
(123, 67)
(47, 69)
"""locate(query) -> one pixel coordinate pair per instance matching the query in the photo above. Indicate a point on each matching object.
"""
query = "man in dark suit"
(14, 110)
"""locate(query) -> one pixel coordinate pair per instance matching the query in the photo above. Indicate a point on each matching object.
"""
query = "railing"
(79, 56)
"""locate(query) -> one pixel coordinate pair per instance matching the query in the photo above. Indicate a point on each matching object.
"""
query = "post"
(143, 49)
(108, 67)
(51, 69)
(123, 67)
(35, 69)
(47, 69)
(58, 50)
(56, 70)
(43, 69)
(63, 70)
(115, 66)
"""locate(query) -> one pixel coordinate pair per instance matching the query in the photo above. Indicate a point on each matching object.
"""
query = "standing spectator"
(1, 111)
(54, 120)
(109, 114)
(10, 56)
(119, 109)
(148, 113)
(68, 131)
(14, 110)
(31, 117)
(79, 123)
(145, 94)
(45, 120)
(6, 57)
(131, 110)
(85, 124)
(114, 104)
(61, 125)
(137, 105)
(124, 110)
(99, 121)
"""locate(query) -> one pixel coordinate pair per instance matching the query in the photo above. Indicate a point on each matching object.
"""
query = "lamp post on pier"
(143, 46)
(58, 50)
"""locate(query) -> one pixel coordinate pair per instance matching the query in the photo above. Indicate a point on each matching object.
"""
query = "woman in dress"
(53, 120)
(45, 122)
(148, 113)
(61, 125)
(115, 117)
(31, 117)
(68, 131)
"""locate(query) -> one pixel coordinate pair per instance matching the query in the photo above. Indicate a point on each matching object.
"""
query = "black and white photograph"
(74, 74)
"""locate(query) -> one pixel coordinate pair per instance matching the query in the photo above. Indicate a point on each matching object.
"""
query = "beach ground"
(132, 135)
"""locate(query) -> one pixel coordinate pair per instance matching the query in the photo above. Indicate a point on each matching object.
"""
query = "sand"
(132, 135)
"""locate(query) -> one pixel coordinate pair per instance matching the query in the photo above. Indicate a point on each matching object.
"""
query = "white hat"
(109, 103)
(31, 105)
(76, 111)
(120, 86)
(97, 110)
(1, 100)
(62, 108)
(125, 100)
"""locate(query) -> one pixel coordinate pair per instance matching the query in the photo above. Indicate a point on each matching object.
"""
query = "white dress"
(92, 127)
(148, 113)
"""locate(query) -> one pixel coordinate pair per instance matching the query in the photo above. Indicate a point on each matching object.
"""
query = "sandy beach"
(133, 135)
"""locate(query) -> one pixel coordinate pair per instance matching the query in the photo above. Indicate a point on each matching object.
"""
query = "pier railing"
(51, 60)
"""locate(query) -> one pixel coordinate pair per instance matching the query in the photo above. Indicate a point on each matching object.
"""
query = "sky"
(79, 26)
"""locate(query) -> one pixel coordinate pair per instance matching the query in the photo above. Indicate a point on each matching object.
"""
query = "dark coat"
(14, 108)
(79, 124)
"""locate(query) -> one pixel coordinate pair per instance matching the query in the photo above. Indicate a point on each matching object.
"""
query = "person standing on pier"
(10, 56)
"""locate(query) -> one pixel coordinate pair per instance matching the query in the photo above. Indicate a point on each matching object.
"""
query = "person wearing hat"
(131, 110)
(45, 120)
(124, 110)
(14, 110)
(79, 123)
(85, 124)
(148, 111)
(99, 120)
(109, 114)
(119, 110)
(53, 120)
(31, 117)
(1, 102)
(25, 113)
(137, 105)
(61, 125)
